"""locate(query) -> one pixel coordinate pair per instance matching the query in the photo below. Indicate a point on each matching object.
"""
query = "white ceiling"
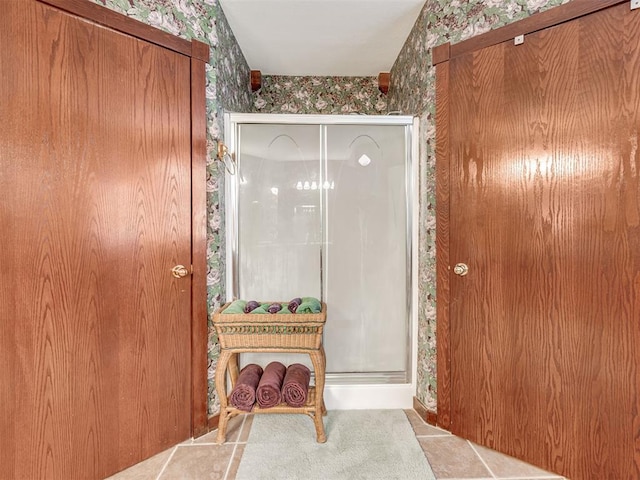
(321, 37)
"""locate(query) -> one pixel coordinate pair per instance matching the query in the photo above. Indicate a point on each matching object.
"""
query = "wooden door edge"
(443, 351)
(199, 319)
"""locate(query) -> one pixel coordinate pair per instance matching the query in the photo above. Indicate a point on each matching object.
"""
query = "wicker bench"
(286, 333)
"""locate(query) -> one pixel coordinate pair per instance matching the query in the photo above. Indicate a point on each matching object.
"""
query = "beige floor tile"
(246, 429)
(198, 462)
(235, 462)
(233, 431)
(145, 470)
(452, 457)
(234, 427)
(206, 438)
(505, 466)
(422, 428)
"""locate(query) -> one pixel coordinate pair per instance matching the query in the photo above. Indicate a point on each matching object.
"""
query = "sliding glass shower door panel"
(366, 264)
(323, 209)
(279, 212)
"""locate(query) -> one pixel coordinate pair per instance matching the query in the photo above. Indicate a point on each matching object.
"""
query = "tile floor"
(451, 457)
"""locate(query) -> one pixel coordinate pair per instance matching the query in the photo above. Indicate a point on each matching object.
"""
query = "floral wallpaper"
(412, 92)
(320, 95)
(227, 87)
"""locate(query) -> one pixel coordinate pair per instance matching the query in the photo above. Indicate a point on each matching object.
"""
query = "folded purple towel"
(269, 393)
(295, 386)
(243, 395)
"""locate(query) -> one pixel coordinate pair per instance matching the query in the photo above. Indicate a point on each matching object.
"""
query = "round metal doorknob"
(179, 271)
(461, 269)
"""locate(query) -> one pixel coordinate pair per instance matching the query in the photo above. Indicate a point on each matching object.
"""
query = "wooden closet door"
(94, 212)
(545, 210)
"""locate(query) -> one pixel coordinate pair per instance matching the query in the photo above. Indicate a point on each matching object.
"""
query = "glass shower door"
(279, 218)
(365, 261)
(322, 210)
(279, 212)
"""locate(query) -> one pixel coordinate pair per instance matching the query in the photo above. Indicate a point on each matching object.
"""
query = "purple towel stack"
(271, 386)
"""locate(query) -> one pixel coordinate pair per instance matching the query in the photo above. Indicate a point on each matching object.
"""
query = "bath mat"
(361, 445)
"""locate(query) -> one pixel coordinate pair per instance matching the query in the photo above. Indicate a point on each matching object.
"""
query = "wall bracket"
(384, 79)
(256, 80)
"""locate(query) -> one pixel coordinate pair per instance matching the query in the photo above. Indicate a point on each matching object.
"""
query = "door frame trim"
(199, 55)
(441, 56)
(443, 326)
(534, 23)
(199, 314)
(129, 26)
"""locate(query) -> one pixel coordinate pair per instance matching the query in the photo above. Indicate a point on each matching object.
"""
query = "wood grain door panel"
(545, 210)
(95, 210)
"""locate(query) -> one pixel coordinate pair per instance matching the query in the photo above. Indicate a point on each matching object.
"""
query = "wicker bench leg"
(321, 437)
(319, 361)
(222, 426)
(234, 370)
(221, 388)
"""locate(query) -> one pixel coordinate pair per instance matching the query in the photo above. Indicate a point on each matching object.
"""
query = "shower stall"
(326, 206)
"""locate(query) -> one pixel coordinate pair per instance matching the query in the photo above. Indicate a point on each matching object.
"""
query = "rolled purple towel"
(269, 389)
(250, 306)
(294, 304)
(274, 308)
(295, 386)
(243, 395)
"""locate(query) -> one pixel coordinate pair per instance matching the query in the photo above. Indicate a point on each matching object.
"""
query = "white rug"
(361, 444)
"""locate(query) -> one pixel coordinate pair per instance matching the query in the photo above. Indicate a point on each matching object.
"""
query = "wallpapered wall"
(227, 88)
(413, 93)
(320, 95)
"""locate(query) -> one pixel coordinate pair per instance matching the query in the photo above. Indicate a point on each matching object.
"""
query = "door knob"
(179, 271)
(461, 269)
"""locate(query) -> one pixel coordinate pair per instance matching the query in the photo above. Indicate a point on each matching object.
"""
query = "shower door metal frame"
(232, 140)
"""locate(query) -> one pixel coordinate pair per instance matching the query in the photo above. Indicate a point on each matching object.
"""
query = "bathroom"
(411, 94)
